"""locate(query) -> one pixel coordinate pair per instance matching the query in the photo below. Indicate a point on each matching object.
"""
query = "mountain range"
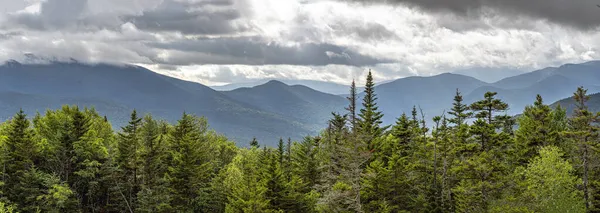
(569, 103)
(266, 111)
(326, 87)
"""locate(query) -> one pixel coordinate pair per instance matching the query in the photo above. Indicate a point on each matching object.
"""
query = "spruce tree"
(459, 110)
(370, 117)
(536, 130)
(352, 107)
(188, 167)
(19, 175)
(485, 165)
(128, 160)
(254, 143)
(584, 133)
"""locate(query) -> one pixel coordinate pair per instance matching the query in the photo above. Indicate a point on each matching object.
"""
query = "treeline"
(473, 158)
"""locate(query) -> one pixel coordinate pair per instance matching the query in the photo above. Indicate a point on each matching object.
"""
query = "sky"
(217, 42)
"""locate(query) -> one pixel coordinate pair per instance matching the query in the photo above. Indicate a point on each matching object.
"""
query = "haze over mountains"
(267, 111)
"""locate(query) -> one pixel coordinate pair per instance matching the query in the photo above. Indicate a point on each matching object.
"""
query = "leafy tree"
(548, 184)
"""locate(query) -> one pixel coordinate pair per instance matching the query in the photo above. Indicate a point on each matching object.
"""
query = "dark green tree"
(370, 117)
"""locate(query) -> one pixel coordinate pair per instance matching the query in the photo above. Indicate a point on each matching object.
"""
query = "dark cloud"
(208, 17)
(366, 31)
(583, 14)
(255, 51)
(203, 17)
(54, 14)
(9, 35)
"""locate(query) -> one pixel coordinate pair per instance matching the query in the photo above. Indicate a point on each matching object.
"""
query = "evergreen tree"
(584, 133)
(352, 107)
(153, 195)
(246, 187)
(188, 167)
(459, 110)
(254, 143)
(370, 118)
(485, 166)
(19, 173)
(128, 160)
(537, 129)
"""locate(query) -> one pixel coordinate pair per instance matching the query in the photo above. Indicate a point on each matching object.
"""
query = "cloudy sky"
(222, 41)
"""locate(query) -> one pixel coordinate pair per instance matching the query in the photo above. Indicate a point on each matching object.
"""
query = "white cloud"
(416, 42)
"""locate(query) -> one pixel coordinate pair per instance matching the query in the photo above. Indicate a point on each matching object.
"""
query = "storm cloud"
(583, 14)
(255, 51)
(224, 41)
(203, 17)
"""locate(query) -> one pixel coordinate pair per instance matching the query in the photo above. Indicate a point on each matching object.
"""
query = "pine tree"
(254, 143)
(276, 185)
(459, 110)
(352, 107)
(584, 133)
(188, 167)
(21, 153)
(485, 165)
(370, 118)
(243, 181)
(128, 160)
(537, 129)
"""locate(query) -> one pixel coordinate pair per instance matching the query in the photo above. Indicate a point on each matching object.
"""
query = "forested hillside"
(71, 160)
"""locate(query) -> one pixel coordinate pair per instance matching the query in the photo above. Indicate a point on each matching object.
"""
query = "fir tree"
(584, 132)
(188, 167)
(352, 107)
(128, 160)
(370, 118)
(459, 110)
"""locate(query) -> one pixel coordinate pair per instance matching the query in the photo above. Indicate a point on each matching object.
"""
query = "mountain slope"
(489, 75)
(116, 90)
(299, 102)
(569, 103)
(552, 84)
(433, 94)
(321, 86)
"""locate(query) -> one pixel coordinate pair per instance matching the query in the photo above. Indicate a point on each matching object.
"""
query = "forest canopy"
(472, 158)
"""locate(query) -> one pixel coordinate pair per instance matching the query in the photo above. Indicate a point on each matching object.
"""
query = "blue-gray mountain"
(268, 111)
(326, 87)
(116, 90)
(434, 94)
(569, 103)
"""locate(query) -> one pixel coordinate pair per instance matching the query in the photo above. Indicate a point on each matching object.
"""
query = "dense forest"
(472, 158)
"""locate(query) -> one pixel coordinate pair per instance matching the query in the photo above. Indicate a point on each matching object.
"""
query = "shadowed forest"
(472, 158)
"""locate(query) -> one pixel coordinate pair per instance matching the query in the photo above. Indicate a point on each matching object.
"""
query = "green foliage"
(548, 184)
(71, 160)
(369, 121)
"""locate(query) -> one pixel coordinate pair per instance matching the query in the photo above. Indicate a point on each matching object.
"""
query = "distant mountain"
(116, 90)
(569, 103)
(432, 94)
(553, 84)
(267, 111)
(322, 86)
(489, 75)
(298, 102)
